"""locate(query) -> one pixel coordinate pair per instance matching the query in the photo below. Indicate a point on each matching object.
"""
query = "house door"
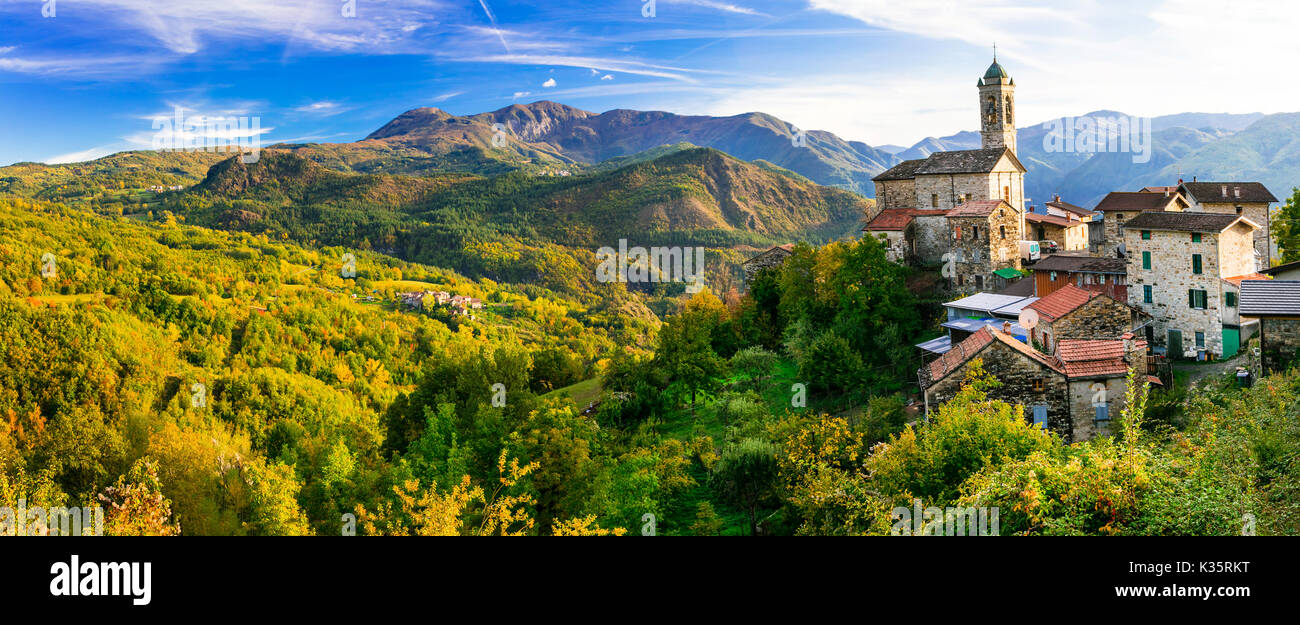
(1231, 341)
(1040, 416)
(1175, 343)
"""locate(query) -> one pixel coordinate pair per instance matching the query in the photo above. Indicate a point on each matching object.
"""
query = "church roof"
(966, 161)
(996, 71)
(905, 170)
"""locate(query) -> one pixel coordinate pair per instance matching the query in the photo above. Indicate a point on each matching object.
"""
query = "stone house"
(985, 239)
(1120, 206)
(1068, 231)
(1276, 304)
(1074, 392)
(1107, 275)
(774, 257)
(1183, 270)
(1074, 313)
(1247, 199)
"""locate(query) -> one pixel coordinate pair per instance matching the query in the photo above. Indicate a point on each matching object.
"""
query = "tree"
(1287, 227)
(686, 353)
(756, 363)
(746, 475)
(136, 505)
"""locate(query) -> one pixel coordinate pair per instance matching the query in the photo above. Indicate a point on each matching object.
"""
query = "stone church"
(966, 204)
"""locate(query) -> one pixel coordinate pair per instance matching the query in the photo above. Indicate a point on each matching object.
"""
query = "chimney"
(1193, 178)
(1058, 197)
(1166, 191)
(1128, 343)
(1006, 327)
(1180, 181)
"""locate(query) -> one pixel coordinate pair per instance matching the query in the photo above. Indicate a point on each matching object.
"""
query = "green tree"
(746, 475)
(1287, 227)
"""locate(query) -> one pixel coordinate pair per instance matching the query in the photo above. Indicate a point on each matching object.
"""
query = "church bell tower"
(997, 108)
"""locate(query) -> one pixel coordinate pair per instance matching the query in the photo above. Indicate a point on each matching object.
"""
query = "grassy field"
(583, 393)
(80, 298)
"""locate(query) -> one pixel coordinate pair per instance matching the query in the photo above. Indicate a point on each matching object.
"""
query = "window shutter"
(1191, 298)
(1103, 412)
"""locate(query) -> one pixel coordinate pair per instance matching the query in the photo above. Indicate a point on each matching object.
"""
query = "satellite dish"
(1029, 319)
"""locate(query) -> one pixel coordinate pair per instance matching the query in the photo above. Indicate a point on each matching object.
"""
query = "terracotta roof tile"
(898, 218)
(1063, 301)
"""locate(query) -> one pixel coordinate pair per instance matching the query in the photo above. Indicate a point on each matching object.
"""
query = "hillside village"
(1059, 301)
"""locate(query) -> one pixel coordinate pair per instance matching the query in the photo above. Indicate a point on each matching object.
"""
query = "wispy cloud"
(447, 96)
(725, 7)
(621, 65)
(550, 82)
(322, 108)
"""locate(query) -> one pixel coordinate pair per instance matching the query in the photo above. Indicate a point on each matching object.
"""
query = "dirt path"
(1199, 371)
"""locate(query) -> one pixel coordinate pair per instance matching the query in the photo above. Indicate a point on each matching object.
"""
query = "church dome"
(996, 72)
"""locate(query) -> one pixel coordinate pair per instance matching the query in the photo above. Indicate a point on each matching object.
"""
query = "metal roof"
(940, 345)
(984, 301)
(1269, 298)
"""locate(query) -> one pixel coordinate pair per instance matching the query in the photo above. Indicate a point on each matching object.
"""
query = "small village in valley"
(1060, 302)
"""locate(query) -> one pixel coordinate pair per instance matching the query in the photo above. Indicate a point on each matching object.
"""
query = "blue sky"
(91, 79)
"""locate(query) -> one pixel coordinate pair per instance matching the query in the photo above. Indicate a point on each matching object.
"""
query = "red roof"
(1089, 349)
(977, 208)
(1250, 276)
(960, 353)
(1051, 219)
(1063, 301)
(968, 348)
(1084, 358)
(898, 218)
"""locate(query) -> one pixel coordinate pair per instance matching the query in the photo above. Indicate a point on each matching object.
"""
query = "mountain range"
(548, 136)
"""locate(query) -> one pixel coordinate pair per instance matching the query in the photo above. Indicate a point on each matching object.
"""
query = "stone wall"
(932, 238)
(1084, 410)
(896, 194)
(997, 247)
(1256, 212)
(1100, 318)
(1171, 278)
(1017, 373)
(1280, 343)
(896, 244)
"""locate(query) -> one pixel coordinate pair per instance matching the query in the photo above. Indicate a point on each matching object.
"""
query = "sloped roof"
(975, 343)
(977, 208)
(1228, 192)
(1135, 201)
(984, 301)
(1237, 280)
(1087, 358)
(966, 161)
(782, 250)
(1039, 218)
(893, 219)
(960, 353)
(1063, 301)
(1265, 298)
(1085, 264)
(1185, 222)
(1276, 269)
(905, 170)
(1068, 207)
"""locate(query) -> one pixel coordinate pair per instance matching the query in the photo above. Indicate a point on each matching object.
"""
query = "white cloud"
(521, 94)
(550, 82)
(447, 96)
(84, 155)
(725, 7)
(186, 26)
(607, 77)
(620, 65)
(324, 107)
